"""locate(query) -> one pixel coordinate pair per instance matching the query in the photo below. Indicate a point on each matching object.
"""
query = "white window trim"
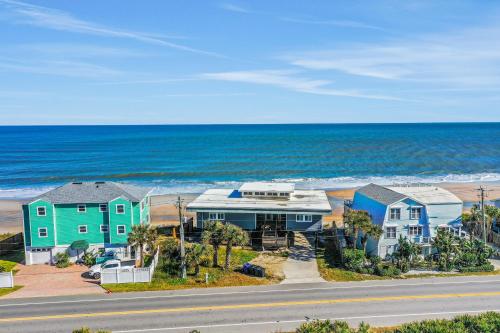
(418, 227)
(107, 228)
(122, 205)
(81, 205)
(44, 211)
(105, 208)
(387, 232)
(46, 232)
(303, 218)
(412, 216)
(86, 229)
(218, 217)
(390, 213)
(124, 229)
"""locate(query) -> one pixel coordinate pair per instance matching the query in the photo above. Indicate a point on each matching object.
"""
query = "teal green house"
(101, 213)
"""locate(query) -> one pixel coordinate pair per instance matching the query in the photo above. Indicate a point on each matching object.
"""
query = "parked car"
(108, 255)
(95, 271)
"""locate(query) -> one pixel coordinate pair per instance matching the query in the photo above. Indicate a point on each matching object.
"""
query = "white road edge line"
(302, 320)
(243, 292)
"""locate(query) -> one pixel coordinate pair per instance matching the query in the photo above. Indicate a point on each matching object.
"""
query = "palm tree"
(138, 237)
(357, 220)
(152, 239)
(405, 253)
(213, 234)
(446, 247)
(233, 236)
(373, 231)
(194, 256)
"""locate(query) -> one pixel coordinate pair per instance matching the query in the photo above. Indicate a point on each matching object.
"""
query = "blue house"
(263, 206)
(414, 211)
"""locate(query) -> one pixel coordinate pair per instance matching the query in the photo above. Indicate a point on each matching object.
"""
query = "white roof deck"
(427, 194)
(314, 201)
(267, 187)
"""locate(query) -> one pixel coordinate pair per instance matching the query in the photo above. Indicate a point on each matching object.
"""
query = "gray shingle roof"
(381, 194)
(93, 192)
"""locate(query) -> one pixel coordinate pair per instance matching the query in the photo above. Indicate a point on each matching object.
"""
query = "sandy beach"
(164, 211)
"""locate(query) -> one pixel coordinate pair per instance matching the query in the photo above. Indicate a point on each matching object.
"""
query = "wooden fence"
(12, 243)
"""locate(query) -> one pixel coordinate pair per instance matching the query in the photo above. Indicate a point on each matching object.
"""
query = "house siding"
(68, 219)
(41, 222)
(119, 219)
(243, 220)
(292, 224)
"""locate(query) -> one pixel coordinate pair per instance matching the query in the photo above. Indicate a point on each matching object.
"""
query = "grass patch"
(7, 266)
(426, 275)
(5, 291)
(217, 277)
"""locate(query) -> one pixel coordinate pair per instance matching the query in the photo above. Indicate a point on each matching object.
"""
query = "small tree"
(152, 239)
(356, 220)
(446, 247)
(405, 253)
(62, 260)
(233, 236)
(138, 237)
(372, 231)
(213, 234)
(194, 256)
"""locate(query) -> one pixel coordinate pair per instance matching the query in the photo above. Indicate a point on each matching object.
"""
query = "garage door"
(40, 256)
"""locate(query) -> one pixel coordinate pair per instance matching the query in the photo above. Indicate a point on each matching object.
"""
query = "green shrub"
(387, 270)
(89, 258)
(62, 260)
(483, 268)
(354, 260)
(326, 326)
(88, 330)
(488, 322)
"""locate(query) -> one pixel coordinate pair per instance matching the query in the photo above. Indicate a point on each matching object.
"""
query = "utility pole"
(181, 231)
(483, 193)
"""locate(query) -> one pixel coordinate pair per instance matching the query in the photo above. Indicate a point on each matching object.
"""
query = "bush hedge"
(488, 322)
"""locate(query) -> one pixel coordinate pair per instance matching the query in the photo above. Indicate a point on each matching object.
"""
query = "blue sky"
(177, 62)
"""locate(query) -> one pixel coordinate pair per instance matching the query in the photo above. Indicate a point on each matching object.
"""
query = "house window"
(103, 208)
(42, 232)
(304, 218)
(216, 217)
(284, 194)
(120, 229)
(249, 193)
(41, 211)
(142, 205)
(390, 232)
(415, 213)
(120, 209)
(82, 229)
(260, 193)
(81, 208)
(104, 228)
(395, 214)
(415, 230)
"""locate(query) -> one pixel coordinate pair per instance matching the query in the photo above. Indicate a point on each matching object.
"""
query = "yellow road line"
(248, 306)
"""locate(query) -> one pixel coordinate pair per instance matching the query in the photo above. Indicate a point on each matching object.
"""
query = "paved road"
(255, 309)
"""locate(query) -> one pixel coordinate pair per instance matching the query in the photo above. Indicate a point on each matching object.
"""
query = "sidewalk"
(301, 266)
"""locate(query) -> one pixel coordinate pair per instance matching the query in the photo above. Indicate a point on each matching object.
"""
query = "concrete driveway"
(301, 266)
(45, 280)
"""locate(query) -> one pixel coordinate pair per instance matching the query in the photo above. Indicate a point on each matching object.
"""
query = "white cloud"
(337, 23)
(466, 58)
(58, 20)
(288, 80)
(59, 68)
(234, 8)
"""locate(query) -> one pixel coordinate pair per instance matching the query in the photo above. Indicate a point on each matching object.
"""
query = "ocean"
(191, 158)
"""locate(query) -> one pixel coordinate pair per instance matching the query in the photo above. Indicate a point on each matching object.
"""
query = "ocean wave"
(191, 187)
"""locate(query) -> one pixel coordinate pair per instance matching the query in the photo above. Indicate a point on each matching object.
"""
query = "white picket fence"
(6, 280)
(129, 275)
